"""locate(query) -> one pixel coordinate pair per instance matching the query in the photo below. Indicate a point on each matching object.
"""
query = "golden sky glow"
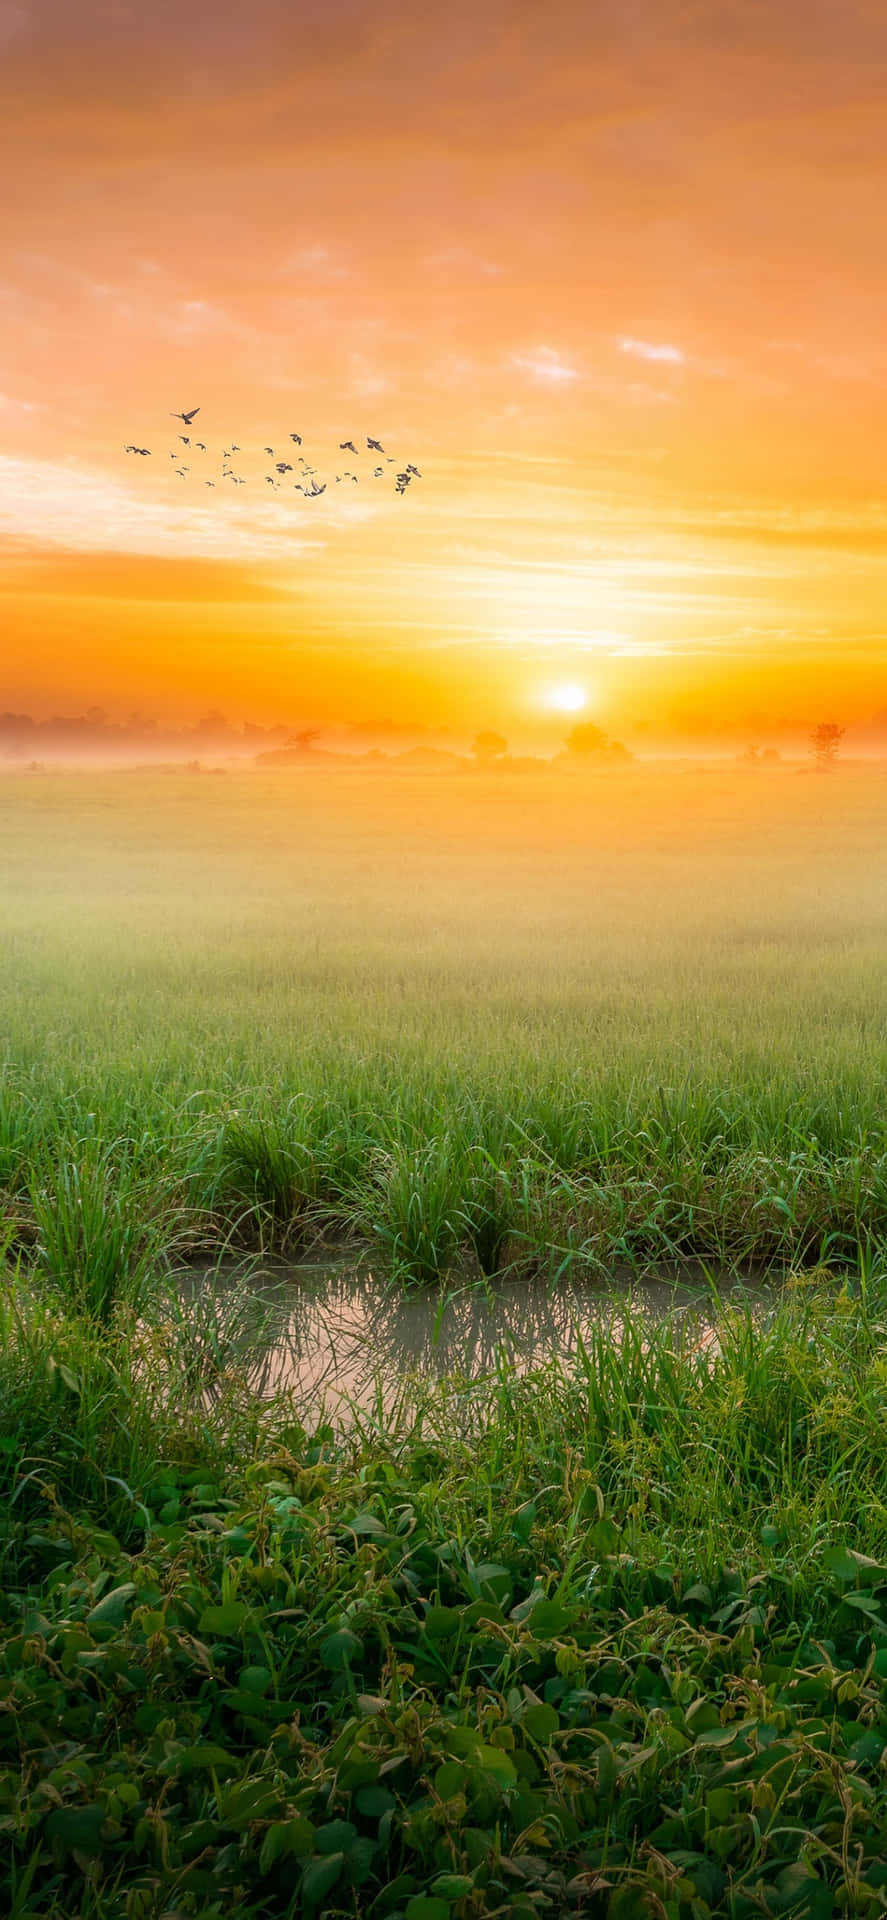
(612, 276)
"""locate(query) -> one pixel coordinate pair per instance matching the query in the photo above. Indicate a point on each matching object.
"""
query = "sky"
(611, 276)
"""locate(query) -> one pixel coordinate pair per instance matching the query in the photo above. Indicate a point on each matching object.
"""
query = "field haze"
(631, 1012)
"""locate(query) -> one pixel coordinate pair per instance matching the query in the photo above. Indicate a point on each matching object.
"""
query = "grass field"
(633, 1015)
(612, 1642)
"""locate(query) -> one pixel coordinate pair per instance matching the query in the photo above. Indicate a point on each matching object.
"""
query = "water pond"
(335, 1336)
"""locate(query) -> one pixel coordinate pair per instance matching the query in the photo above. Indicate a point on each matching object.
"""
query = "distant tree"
(825, 741)
(586, 738)
(306, 738)
(488, 747)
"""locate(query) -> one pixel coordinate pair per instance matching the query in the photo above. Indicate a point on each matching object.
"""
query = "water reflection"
(334, 1335)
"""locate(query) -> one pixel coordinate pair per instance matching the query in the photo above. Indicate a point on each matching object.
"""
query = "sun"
(566, 696)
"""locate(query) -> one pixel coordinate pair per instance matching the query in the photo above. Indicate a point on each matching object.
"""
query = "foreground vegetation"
(636, 1017)
(611, 1644)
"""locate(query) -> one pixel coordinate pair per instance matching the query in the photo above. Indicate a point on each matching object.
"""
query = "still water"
(336, 1336)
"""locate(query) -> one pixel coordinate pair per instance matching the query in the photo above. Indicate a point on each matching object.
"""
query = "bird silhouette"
(377, 471)
(297, 438)
(283, 466)
(414, 470)
(209, 483)
(184, 440)
(269, 450)
(347, 446)
(375, 446)
(200, 445)
(234, 447)
(186, 418)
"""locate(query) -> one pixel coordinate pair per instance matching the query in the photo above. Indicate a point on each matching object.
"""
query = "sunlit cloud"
(81, 510)
(320, 261)
(545, 365)
(652, 350)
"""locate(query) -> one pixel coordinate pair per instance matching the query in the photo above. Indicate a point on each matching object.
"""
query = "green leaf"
(255, 1679)
(450, 1779)
(442, 1622)
(320, 1876)
(427, 1906)
(204, 1757)
(837, 1561)
(335, 1837)
(373, 1801)
(452, 1886)
(541, 1722)
(226, 1619)
(76, 1827)
(546, 1619)
(496, 1761)
(366, 1525)
(489, 1578)
(111, 1611)
(340, 1649)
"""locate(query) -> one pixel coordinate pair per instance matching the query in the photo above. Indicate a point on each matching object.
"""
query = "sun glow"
(567, 696)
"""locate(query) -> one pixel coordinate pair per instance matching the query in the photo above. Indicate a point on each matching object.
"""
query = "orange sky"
(612, 276)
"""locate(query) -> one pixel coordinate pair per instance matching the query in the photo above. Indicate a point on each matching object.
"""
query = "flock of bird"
(307, 485)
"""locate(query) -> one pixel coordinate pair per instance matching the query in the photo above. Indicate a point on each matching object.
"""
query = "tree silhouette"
(586, 738)
(825, 741)
(488, 747)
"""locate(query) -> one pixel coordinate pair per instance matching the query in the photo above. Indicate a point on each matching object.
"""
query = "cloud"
(652, 350)
(545, 365)
(79, 509)
(8, 404)
(320, 260)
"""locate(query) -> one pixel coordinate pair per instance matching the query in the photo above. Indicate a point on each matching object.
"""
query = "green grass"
(633, 1018)
(611, 1642)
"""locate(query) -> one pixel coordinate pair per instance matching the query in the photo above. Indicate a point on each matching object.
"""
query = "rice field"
(605, 1638)
(543, 1023)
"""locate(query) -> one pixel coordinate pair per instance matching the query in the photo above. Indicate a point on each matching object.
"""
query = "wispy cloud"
(8, 404)
(321, 261)
(652, 350)
(82, 510)
(545, 365)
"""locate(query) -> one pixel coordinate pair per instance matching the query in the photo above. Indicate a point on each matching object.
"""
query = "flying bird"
(234, 447)
(269, 450)
(297, 438)
(377, 471)
(414, 470)
(199, 444)
(347, 446)
(375, 446)
(209, 483)
(283, 466)
(186, 418)
(184, 440)
(132, 449)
